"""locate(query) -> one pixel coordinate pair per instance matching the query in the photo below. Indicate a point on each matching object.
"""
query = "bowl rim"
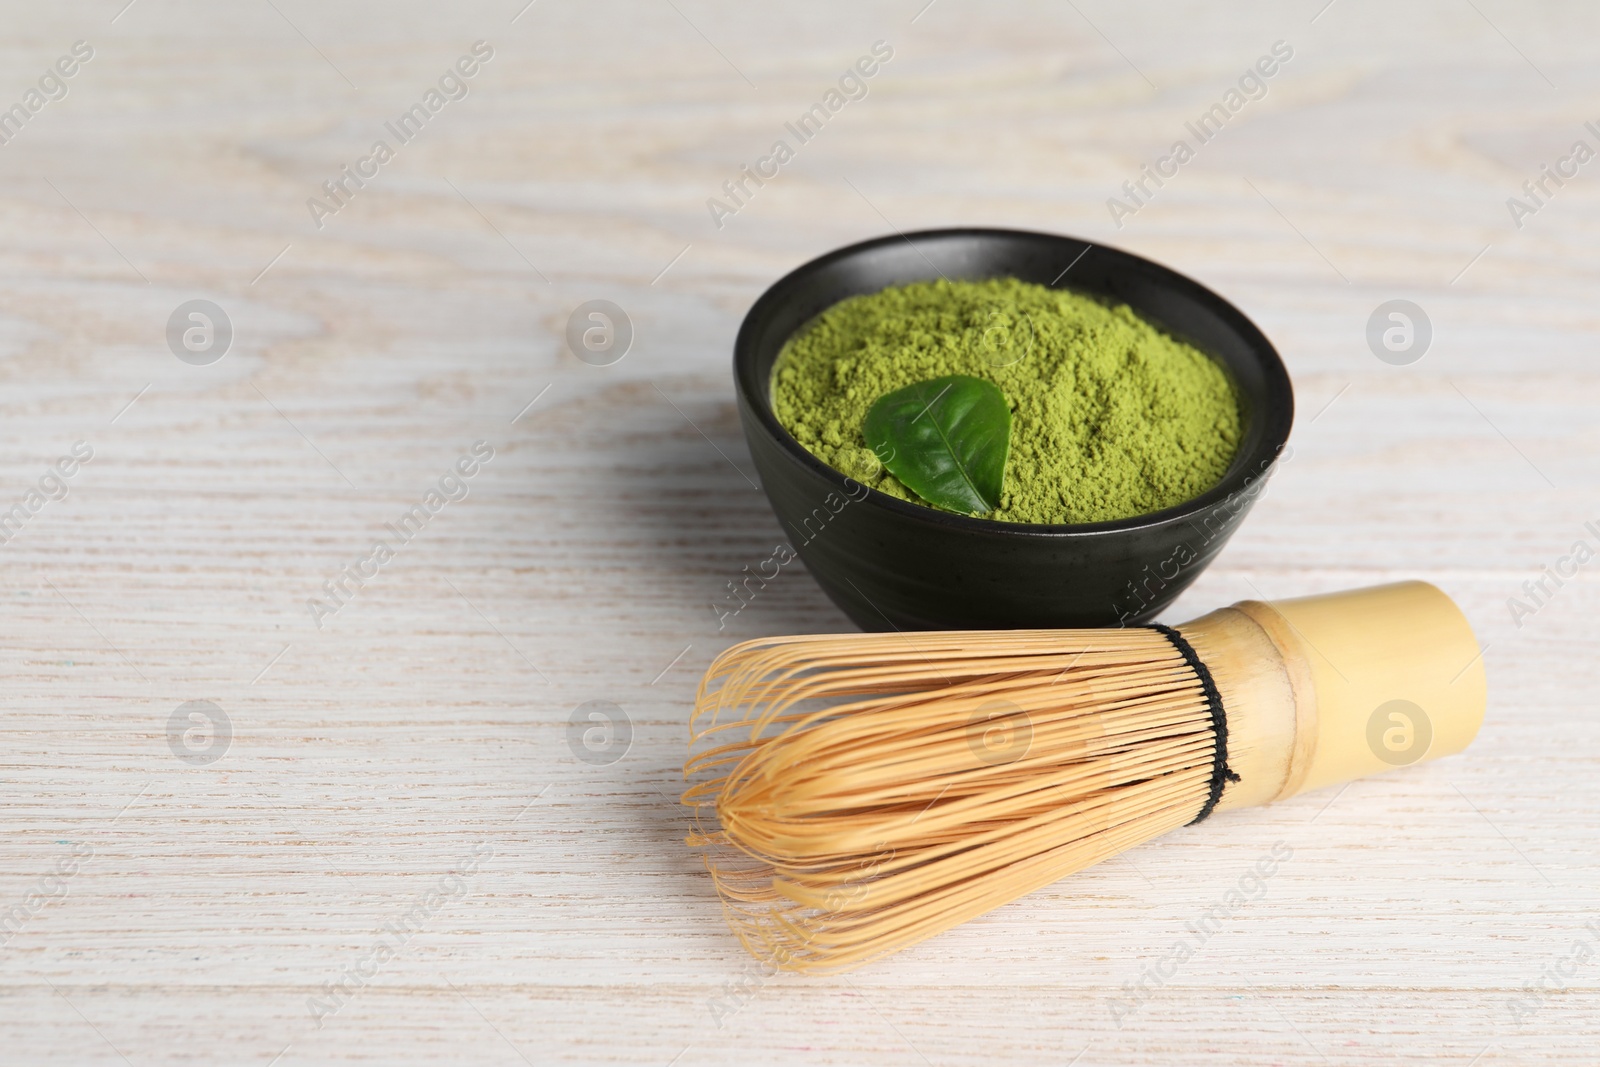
(1244, 470)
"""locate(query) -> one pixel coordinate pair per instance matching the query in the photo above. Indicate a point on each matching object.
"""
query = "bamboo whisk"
(857, 793)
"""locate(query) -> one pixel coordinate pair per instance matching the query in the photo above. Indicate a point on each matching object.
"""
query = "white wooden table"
(196, 896)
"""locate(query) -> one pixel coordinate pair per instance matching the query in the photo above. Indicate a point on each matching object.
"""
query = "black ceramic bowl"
(889, 563)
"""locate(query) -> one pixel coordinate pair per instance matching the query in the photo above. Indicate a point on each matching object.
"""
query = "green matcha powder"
(1111, 418)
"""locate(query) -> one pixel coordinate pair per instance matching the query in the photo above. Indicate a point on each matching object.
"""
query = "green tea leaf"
(945, 439)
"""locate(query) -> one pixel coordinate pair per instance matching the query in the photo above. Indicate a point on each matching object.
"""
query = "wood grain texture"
(426, 723)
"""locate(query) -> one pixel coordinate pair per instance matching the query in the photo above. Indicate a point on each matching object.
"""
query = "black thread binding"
(1221, 773)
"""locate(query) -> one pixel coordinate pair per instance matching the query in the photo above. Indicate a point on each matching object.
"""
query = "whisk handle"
(1383, 677)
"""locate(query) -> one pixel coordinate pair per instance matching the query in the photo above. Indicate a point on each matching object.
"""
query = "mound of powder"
(1111, 418)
